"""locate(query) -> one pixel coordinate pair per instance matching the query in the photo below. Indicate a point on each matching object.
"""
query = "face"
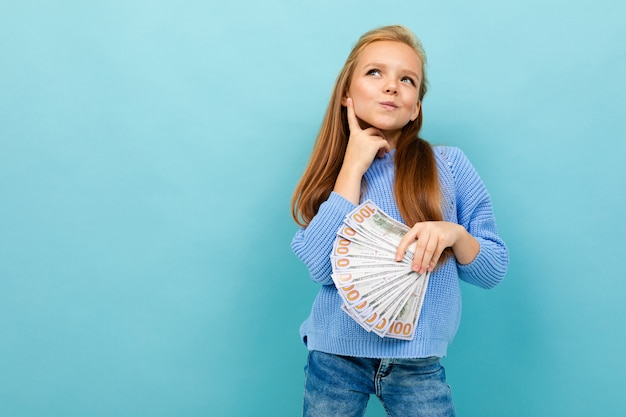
(385, 87)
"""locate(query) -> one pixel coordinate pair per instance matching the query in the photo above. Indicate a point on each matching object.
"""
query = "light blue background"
(148, 152)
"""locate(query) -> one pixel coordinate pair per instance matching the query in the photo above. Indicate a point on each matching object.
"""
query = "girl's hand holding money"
(432, 238)
(363, 146)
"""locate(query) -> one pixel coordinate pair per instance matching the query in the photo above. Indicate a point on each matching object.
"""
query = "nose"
(391, 88)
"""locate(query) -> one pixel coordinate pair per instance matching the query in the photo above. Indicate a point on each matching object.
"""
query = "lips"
(389, 105)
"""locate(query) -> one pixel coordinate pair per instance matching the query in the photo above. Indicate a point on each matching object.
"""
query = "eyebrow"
(408, 71)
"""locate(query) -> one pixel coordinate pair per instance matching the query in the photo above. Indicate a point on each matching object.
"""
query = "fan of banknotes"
(384, 296)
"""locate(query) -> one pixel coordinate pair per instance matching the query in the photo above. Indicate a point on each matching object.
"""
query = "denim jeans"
(341, 386)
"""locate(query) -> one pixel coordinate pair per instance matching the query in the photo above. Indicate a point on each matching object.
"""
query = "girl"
(368, 148)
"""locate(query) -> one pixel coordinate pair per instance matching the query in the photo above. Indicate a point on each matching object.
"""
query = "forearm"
(348, 184)
(313, 244)
(475, 214)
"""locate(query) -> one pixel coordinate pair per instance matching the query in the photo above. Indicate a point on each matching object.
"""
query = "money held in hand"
(382, 295)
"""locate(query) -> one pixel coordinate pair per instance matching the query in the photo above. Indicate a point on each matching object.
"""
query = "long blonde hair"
(416, 184)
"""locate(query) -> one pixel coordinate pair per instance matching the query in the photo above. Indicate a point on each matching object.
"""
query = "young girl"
(368, 148)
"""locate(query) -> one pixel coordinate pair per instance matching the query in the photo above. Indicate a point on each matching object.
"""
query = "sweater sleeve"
(475, 213)
(313, 244)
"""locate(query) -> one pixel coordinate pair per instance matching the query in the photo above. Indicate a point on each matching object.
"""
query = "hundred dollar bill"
(366, 299)
(369, 241)
(376, 319)
(368, 218)
(375, 292)
(383, 303)
(403, 326)
(346, 247)
(347, 277)
(362, 237)
(390, 312)
(381, 294)
(342, 263)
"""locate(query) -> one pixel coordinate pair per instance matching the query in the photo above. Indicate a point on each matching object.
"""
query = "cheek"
(414, 104)
(361, 90)
(361, 110)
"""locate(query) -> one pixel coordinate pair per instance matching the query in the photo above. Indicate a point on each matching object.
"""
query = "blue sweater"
(329, 329)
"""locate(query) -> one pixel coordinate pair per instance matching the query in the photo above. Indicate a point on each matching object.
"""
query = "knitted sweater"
(331, 330)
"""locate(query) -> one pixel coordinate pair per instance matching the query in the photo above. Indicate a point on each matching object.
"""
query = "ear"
(344, 98)
(416, 111)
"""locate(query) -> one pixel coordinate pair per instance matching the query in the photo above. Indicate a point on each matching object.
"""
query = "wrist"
(466, 247)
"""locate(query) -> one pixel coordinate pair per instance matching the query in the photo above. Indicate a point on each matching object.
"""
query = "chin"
(388, 128)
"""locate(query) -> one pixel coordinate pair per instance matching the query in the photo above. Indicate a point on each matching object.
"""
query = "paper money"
(382, 295)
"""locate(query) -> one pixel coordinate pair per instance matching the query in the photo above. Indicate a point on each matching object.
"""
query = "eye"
(408, 80)
(373, 71)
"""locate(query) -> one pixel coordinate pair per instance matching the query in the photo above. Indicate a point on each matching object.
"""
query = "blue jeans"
(341, 386)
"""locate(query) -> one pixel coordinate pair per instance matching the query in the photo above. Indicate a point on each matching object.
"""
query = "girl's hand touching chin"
(363, 144)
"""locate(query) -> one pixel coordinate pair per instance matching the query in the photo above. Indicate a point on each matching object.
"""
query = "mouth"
(389, 105)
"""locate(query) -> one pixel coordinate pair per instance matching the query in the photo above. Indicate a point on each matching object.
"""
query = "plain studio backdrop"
(148, 153)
